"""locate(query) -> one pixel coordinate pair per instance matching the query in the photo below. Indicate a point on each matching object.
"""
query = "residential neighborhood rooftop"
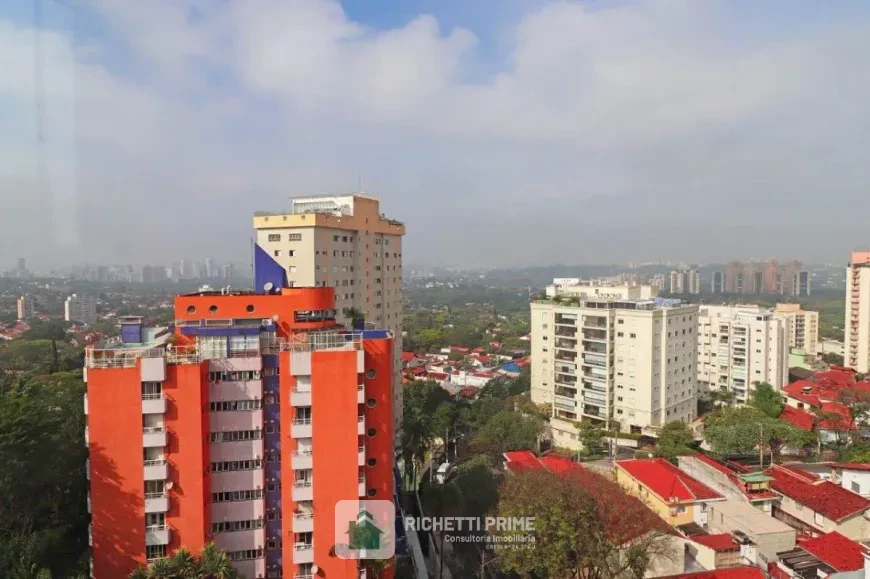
(823, 497)
(667, 481)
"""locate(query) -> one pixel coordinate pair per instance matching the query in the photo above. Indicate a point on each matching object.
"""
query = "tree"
(478, 484)
(740, 430)
(420, 402)
(585, 527)
(589, 434)
(456, 356)
(212, 563)
(856, 452)
(721, 397)
(858, 401)
(833, 359)
(766, 399)
(675, 439)
(443, 421)
(508, 431)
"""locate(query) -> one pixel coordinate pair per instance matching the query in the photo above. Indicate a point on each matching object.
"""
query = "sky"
(509, 133)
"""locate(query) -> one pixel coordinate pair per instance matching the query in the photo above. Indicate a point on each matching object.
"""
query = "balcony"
(153, 404)
(565, 320)
(303, 553)
(569, 370)
(301, 428)
(566, 392)
(157, 535)
(566, 332)
(595, 335)
(567, 358)
(300, 396)
(156, 470)
(566, 343)
(360, 394)
(303, 491)
(156, 503)
(86, 403)
(303, 523)
(361, 456)
(301, 459)
(154, 436)
(362, 486)
(361, 425)
(565, 404)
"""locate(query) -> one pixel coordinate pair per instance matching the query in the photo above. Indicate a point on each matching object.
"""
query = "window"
(232, 496)
(235, 405)
(156, 551)
(234, 526)
(819, 520)
(236, 435)
(294, 237)
(235, 465)
(245, 555)
(277, 253)
(151, 390)
(856, 488)
(291, 269)
(274, 237)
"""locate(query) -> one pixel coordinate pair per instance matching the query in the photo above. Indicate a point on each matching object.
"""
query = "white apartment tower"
(620, 360)
(25, 307)
(858, 312)
(739, 346)
(345, 242)
(80, 308)
(803, 328)
(685, 281)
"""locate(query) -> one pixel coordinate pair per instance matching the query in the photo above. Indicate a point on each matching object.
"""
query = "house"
(714, 551)
(829, 555)
(854, 477)
(627, 518)
(674, 495)
(731, 479)
(813, 506)
(441, 377)
(762, 535)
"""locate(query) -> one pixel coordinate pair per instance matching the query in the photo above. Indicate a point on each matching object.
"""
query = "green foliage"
(675, 439)
(211, 563)
(765, 398)
(43, 487)
(856, 452)
(508, 431)
(739, 430)
(46, 330)
(589, 435)
(478, 485)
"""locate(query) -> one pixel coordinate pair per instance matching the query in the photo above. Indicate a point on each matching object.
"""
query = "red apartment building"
(243, 423)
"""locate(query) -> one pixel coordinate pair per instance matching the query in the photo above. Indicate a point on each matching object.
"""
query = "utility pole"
(761, 446)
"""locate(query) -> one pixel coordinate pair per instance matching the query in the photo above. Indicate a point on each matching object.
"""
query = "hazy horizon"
(594, 132)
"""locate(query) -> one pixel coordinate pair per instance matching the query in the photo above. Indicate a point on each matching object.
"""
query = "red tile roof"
(797, 417)
(839, 552)
(408, 356)
(823, 497)
(726, 573)
(720, 542)
(438, 375)
(843, 421)
(666, 481)
(626, 516)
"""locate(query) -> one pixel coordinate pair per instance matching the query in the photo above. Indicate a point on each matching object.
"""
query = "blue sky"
(537, 132)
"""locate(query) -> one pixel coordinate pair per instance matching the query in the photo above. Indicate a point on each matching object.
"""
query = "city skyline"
(689, 139)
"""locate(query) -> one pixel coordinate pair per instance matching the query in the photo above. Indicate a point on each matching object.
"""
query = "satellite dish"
(268, 287)
(314, 569)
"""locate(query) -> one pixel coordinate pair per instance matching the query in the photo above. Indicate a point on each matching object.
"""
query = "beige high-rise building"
(25, 307)
(804, 327)
(80, 308)
(345, 242)
(619, 360)
(858, 312)
(739, 346)
(685, 281)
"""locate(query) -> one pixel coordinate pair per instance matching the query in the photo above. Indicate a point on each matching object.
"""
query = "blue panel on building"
(376, 334)
(267, 271)
(200, 331)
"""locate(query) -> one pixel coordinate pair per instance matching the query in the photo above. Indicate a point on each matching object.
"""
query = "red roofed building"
(814, 506)
(623, 516)
(823, 556)
(731, 479)
(715, 551)
(798, 418)
(673, 494)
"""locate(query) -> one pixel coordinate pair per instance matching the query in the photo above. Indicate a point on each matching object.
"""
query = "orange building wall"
(186, 421)
(117, 470)
(265, 306)
(286, 382)
(334, 411)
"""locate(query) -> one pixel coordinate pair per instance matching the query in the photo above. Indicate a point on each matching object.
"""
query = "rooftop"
(726, 573)
(666, 481)
(717, 542)
(837, 551)
(823, 497)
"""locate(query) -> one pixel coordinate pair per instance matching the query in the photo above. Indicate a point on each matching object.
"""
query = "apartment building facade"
(857, 324)
(803, 327)
(685, 281)
(244, 424)
(346, 243)
(618, 360)
(81, 308)
(739, 346)
(768, 277)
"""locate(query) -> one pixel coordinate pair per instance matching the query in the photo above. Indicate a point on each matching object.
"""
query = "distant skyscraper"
(858, 312)
(718, 283)
(209, 268)
(685, 281)
(80, 308)
(25, 307)
(22, 264)
(769, 277)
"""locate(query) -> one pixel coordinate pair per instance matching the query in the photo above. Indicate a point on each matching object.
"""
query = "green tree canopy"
(675, 439)
(478, 485)
(739, 430)
(765, 398)
(211, 563)
(508, 431)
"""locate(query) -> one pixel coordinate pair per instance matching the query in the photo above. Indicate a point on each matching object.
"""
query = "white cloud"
(213, 109)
